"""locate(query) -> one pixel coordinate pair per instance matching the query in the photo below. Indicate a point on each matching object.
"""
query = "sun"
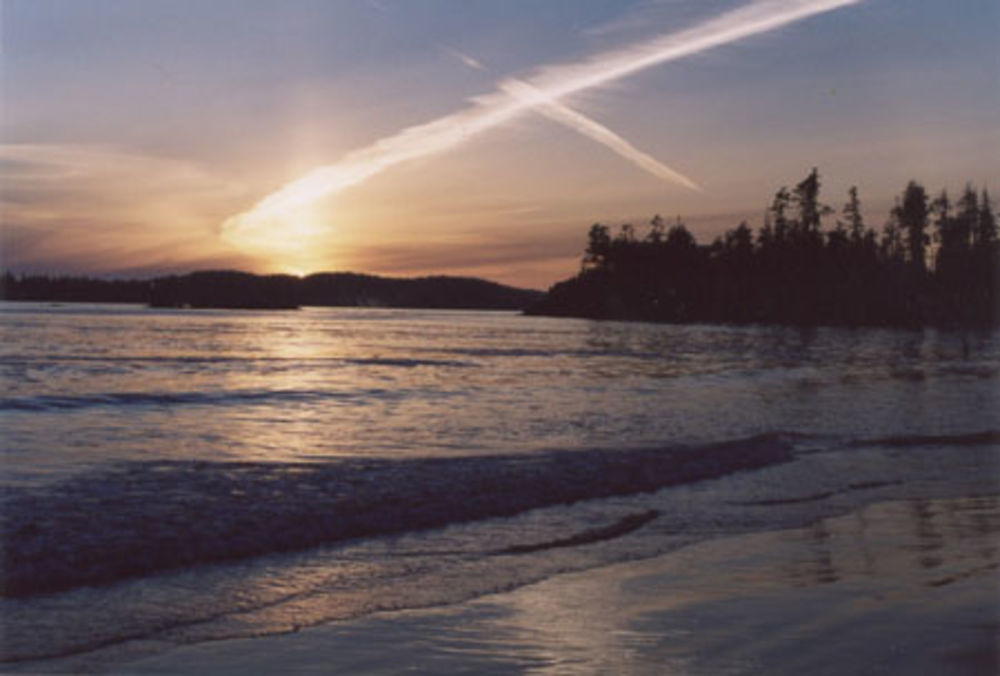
(296, 241)
(294, 271)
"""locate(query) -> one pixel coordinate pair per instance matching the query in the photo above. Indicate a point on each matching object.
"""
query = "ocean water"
(173, 477)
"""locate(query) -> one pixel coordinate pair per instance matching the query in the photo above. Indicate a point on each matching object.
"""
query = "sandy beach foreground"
(907, 587)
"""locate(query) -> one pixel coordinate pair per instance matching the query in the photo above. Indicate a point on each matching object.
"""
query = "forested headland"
(934, 262)
(243, 290)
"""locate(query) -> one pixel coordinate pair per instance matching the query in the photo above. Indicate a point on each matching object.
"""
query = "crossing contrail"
(263, 223)
(563, 114)
(554, 110)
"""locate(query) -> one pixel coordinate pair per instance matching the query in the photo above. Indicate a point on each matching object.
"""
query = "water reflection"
(717, 602)
(120, 385)
(915, 542)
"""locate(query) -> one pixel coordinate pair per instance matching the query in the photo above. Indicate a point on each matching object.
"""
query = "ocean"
(175, 477)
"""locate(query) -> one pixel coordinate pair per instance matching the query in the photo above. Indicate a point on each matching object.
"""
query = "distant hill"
(225, 289)
(354, 290)
(243, 290)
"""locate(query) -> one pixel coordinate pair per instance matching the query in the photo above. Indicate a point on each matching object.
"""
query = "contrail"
(579, 122)
(594, 130)
(487, 112)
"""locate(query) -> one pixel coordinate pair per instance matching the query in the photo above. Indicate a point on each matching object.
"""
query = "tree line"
(934, 262)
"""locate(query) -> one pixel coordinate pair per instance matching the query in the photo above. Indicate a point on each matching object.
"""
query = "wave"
(986, 437)
(624, 526)
(410, 363)
(141, 518)
(44, 403)
(49, 360)
(817, 497)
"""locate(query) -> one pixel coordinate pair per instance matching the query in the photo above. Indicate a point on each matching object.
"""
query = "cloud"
(258, 229)
(95, 207)
(484, 254)
(462, 57)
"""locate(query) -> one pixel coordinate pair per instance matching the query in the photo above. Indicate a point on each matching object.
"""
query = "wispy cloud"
(541, 256)
(85, 206)
(638, 18)
(462, 57)
(259, 228)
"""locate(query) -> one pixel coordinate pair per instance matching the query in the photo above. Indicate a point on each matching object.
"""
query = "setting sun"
(295, 241)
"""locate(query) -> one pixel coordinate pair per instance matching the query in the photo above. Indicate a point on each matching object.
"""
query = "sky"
(464, 137)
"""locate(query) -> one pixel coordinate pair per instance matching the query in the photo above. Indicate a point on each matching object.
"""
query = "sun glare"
(294, 271)
(295, 241)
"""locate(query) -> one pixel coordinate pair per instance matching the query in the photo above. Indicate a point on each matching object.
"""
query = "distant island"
(933, 263)
(241, 290)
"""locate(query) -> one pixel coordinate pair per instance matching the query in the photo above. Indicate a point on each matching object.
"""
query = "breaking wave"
(141, 518)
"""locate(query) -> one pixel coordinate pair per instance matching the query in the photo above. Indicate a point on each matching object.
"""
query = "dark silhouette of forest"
(242, 290)
(934, 262)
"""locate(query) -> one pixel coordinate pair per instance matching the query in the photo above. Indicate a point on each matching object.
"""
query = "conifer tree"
(852, 215)
(986, 227)
(911, 214)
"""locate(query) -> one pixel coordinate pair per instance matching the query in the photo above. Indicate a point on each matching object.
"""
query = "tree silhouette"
(912, 217)
(986, 224)
(795, 272)
(852, 215)
(598, 247)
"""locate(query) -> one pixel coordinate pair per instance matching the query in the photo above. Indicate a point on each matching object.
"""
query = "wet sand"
(908, 587)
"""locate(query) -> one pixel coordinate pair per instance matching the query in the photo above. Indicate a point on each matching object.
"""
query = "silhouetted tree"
(793, 271)
(598, 247)
(657, 230)
(952, 235)
(912, 219)
(890, 247)
(810, 211)
(739, 244)
(779, 214)
(852, 215)
(964, 228)
(986, 225)
(985, 263)
(679, 240)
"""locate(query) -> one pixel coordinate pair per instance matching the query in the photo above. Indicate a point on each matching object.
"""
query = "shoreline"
(905, 586)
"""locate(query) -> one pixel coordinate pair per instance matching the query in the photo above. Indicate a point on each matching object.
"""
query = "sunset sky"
(472, 137)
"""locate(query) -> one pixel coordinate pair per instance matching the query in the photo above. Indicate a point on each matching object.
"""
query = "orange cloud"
(76, 207)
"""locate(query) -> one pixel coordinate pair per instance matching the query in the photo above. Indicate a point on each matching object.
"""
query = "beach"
(386, 491)
(894, 587)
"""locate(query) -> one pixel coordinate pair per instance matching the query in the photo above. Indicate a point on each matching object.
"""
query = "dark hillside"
(242, 290)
